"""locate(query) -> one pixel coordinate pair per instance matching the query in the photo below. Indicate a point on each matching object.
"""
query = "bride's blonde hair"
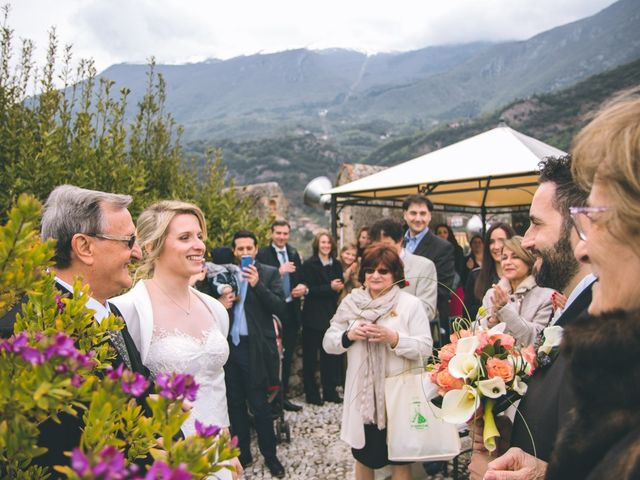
(153, 227)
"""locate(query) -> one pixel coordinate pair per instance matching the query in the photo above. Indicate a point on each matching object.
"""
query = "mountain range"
(343, 95)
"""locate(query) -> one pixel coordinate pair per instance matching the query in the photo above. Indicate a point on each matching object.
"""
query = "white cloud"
(177, 31)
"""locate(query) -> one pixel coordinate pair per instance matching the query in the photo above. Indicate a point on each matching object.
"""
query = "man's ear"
(83, 248)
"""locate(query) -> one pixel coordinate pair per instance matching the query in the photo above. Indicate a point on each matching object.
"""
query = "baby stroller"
(276, 393)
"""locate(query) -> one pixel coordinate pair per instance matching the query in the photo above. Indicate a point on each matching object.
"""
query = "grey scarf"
(359, 306)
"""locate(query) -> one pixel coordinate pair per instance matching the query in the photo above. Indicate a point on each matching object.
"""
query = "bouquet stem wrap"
(490, 431)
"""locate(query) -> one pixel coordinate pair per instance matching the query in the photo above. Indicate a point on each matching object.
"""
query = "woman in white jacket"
(517, 301)
(384, 332)
(175, 327)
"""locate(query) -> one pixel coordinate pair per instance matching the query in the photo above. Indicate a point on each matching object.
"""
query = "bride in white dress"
(175, 327)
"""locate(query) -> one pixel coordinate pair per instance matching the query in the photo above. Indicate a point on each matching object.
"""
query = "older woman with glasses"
(384, 331)
(602, 438)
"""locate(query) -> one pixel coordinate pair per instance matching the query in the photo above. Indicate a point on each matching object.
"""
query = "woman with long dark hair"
(481, 279)
(322, 273)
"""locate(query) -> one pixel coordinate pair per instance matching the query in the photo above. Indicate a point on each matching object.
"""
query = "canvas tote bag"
(415, 431)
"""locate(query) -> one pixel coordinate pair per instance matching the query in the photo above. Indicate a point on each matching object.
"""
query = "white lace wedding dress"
(204, 358)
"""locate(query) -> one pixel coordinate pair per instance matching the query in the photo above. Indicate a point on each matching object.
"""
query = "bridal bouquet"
(480, 368)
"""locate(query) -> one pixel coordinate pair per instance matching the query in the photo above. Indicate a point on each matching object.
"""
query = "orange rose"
(446, 382)
(499, 368)
(507, 341)
(447, 352)
(459, 334)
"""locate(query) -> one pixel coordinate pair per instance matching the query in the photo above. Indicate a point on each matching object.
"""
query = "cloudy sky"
(179, 31)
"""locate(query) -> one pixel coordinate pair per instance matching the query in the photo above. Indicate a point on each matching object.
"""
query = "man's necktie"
(286, 281)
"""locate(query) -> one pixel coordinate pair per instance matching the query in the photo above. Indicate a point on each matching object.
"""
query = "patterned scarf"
(359, 306)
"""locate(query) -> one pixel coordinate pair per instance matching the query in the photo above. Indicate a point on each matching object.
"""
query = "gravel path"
(316, 451)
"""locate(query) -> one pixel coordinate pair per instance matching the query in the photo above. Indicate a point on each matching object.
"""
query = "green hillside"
(553, 118)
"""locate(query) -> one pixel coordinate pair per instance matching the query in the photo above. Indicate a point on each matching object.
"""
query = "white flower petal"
(492, 388)
(497, 329)
(467, 345)
(463, 366)
(552, 336)
(458, 406)
(519, 386)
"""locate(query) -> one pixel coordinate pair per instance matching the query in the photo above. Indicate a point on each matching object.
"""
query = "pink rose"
(499, 368)
(529, 355)
(483, 340)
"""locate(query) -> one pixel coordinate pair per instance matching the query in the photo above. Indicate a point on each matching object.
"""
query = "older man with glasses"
(96, 242)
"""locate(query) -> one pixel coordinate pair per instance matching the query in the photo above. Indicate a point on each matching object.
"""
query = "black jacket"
(321, 302)
(269, 256)
(442, 254)
(263, 301)
(549, 398)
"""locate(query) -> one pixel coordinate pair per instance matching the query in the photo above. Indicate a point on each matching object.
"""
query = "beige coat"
(414, 344)
(526, 314)
(420, 274)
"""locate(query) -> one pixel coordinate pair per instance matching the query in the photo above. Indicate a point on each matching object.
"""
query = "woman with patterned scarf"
(384, 332)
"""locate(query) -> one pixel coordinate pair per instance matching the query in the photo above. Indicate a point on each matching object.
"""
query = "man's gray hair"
(70, 210)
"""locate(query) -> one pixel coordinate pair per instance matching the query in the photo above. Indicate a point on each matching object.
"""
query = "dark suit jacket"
(549, 398)
(263, 301)
(269, 256)
(321, 302)
(441, 253)
(65, 436)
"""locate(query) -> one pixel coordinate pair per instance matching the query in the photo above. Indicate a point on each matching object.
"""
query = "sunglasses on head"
(381, 271)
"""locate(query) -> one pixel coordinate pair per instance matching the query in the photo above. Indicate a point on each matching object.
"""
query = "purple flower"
(77, 380)
(134, 383)
(177, 385)
(62, 346)
(161, 471)
(110, 464)
(60, 304)
(32, 355)
(19, 341)
(85, 360)
(62, 368)
(206, 430)
(234, 442)
(79, 462)
(115, 374)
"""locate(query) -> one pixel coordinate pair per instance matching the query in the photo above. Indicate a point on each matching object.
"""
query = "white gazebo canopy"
(496, 169)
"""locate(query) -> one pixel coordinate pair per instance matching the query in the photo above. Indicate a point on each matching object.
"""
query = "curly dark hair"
(382, 255)
(557, 170)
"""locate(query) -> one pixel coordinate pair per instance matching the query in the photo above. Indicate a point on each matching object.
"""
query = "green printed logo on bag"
(418, 420)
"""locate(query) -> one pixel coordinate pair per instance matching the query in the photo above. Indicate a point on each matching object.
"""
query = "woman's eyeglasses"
(129, 239)
(582, 218)
(381, 271)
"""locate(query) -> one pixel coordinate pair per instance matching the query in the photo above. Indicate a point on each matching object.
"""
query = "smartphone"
(245, 261)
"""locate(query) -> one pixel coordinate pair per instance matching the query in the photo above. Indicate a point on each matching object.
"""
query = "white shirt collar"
(580, 287)
(101, 311)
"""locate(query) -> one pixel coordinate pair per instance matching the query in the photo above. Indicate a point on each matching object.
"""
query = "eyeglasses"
(129, 239)
(381, 271)
(582, 218)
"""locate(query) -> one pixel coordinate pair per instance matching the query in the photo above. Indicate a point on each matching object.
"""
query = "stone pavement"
(316, 451)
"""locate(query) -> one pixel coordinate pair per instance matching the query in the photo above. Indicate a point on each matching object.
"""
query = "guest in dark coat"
(323, 276)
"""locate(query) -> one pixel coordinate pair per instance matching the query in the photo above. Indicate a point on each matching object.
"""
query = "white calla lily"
(497, 329)
(467, 345)
(464, 365)
(492, 388)
(552, 338)
(458, 406)
(519, 386)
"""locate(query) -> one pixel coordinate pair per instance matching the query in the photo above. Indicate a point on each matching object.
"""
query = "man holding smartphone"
(253, 362)
(285, 258)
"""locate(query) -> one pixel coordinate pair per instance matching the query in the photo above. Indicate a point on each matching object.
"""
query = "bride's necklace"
(185, 310)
